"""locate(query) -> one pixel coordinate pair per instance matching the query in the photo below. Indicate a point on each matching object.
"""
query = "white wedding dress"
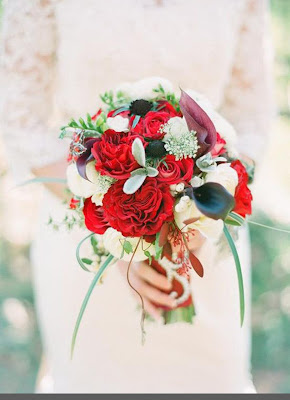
(58, 55)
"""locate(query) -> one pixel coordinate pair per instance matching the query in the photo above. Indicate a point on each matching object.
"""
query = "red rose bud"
(173, 171)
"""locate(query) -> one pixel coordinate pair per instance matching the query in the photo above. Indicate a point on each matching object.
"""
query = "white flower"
(196, 181)
(118, 123)
(178, 140)
(113, 242)
(225, 175)
(78, 185)
(96, 186)
(208, 227)
(101, 183)
(143, 89)
(97, 198)
(176, 127)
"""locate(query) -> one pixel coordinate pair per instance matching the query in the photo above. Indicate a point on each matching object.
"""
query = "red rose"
(94, 217)
(139, 128)
(153, 122)
(243, 195)
(241, 171)
(243, 199)
(173, 171)
(150, 125)
(113, 154)
(140, 213)
(167, 107)
(219, 147)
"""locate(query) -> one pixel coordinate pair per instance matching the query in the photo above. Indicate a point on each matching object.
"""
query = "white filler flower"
(118, 123)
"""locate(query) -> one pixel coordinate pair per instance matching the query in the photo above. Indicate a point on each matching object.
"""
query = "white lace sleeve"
(28, 53)
(248, 101)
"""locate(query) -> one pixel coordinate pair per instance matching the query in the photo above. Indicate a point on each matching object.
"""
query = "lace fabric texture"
(51, 71)
(28, 62)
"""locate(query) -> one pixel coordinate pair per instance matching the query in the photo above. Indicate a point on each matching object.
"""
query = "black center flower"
(140, 107)
(156, 149)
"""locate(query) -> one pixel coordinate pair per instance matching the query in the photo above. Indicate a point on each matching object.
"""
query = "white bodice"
(58, 55)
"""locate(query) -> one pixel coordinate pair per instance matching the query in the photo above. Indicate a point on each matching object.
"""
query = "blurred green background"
(20, 346)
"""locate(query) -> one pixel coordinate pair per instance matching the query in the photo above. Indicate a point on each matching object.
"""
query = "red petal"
(163, 238)
(196, 264)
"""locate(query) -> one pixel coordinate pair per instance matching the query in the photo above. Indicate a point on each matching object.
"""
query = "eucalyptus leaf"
(133, 184)
(149, 256)
(87, 261)
(152, 172)
(121, 109)
(127, 246)
(136, 120)
(139, 171)
(139, 152)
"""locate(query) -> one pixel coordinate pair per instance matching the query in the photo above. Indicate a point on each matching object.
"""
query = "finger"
(153, 277)
(152, 310)
(156, 296)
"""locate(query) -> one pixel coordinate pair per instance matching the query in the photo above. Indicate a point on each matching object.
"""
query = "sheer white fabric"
(57, 57)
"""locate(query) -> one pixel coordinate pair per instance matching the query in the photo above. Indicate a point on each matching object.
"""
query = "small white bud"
(179, 187)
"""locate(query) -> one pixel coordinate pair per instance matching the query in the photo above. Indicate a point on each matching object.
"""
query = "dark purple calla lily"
(198, 121)
(212, 200)
(85, 157)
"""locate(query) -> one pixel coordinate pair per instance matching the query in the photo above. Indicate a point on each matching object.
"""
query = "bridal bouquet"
(148, 171)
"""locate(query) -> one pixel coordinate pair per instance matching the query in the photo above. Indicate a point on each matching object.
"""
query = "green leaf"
(83, 124)
(87, 261)
(119, 110)
(158, 249)
(133, 184)
(127, 246)
(239, 272)
(94, 244)
(234, 219)
(79, 259)
(136, 120)
(139, 171)
(109, 259)
(43, 179)
(138, 152)
(152, 172)
(149, 256)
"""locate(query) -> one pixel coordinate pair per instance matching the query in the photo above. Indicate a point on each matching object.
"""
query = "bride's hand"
(149, 283)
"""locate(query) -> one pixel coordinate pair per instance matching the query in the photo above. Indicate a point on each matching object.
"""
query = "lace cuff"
(28, 53)
(248, 97)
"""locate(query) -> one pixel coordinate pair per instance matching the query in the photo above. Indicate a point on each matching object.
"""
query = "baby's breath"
(183, 146)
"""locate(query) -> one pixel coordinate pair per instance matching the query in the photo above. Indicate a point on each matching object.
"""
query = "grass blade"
(78, 252)
(109, 259)
(239, 272)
